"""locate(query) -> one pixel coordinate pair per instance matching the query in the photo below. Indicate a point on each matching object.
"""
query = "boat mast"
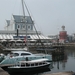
(25, 23)
(23, 8)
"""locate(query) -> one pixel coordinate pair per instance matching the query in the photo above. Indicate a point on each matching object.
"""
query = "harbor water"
(65, 62)
(62, 63)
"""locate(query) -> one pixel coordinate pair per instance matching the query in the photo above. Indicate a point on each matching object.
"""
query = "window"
(16, 54)
(28, 27)
(23, 54)
(23, 27)
(18, 26)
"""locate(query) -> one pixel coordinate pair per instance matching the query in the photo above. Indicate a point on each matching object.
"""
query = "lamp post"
(17, 32)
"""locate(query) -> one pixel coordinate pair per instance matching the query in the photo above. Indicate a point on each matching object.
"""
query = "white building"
(18, 22)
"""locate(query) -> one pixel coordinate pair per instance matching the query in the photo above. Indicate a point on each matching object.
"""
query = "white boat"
(20, 54)
(28, 66)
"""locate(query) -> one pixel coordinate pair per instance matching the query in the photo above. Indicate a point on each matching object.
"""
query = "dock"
(2, 72)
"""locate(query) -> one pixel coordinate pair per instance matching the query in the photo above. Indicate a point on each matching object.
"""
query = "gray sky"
(49, 15)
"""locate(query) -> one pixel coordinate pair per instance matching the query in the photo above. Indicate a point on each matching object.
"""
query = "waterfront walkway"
(2, 72)
(62, 73)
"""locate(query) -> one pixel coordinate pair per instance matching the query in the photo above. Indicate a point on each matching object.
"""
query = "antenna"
(23, 7)
(34, 27)
(25, 22)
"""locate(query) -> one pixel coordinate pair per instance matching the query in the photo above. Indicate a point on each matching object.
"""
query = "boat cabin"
(19, 53)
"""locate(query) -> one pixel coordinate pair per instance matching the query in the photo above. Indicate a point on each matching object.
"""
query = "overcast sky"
(48, 15)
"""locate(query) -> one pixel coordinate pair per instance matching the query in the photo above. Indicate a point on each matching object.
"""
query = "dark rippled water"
(64, 62)
(60, 63)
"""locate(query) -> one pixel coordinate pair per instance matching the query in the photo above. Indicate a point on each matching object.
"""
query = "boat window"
(16, 54)
(22, 54)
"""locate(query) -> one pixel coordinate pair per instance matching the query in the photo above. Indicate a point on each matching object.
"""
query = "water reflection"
(71, 53)
(64, 62)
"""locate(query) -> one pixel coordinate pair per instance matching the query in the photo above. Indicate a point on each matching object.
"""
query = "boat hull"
(26, 69)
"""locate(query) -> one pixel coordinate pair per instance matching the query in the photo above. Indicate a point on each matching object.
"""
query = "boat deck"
(5, 65)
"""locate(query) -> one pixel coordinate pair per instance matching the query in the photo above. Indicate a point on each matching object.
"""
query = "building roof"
(20, 18)
(8, 22)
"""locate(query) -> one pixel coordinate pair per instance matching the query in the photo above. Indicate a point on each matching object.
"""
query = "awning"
(3, 40)
(12, 40)
(13, 36)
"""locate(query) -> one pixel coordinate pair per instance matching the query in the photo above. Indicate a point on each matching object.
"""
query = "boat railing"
(33, 63)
